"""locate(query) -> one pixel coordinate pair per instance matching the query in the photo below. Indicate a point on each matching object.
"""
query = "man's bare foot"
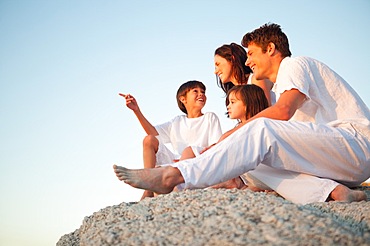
(160, 180)
(342, 193)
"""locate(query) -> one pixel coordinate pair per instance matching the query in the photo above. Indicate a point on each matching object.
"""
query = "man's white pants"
(295, 187)
(339, 154)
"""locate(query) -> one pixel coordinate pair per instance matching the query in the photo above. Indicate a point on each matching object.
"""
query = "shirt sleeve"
(293, 74)
(164, 131)
(215, 129)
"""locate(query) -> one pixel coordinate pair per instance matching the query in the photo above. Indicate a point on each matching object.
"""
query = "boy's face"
(236, 108)
(258, 61)
(195, 99)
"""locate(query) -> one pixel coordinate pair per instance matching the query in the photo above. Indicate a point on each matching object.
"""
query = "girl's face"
(236, 108)
(223, 69)
(194, 99)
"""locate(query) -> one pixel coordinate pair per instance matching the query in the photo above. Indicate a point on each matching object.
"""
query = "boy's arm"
(132, 104)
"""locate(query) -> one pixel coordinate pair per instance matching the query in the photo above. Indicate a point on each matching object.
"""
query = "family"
(302, 130)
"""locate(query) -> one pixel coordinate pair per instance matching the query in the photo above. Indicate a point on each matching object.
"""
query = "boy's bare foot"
(147, 193)
(255, 189)
(230, 184)
(160, 180)
(342, 193)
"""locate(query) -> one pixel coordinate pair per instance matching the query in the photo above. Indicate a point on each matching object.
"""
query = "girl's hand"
(130, 102)
(207, 148)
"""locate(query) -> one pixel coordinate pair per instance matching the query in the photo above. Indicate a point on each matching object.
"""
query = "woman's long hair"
(237, 56)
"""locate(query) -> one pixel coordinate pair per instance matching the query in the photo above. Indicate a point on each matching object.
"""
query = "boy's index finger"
(122, 95)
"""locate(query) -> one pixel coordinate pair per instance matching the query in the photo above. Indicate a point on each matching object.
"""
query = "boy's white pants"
(339, 154)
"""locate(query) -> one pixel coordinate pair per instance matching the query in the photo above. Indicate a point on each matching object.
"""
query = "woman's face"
(223, 69)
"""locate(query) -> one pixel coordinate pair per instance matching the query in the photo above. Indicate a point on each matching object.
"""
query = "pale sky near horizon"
(63, 63)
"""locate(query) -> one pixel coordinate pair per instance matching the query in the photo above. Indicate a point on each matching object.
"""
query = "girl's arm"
(132, 104)
(226, 134)
(223, 136)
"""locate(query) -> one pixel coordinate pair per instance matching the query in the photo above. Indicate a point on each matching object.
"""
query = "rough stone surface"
(224, 217)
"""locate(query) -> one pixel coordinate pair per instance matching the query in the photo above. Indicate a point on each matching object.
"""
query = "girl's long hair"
(252, 96)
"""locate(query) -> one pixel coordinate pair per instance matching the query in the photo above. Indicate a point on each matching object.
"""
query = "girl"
(244, 101)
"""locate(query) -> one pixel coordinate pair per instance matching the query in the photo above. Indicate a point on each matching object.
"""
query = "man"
(318, 126)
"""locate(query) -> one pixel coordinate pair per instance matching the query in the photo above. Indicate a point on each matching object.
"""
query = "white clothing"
(182, 132)
(331, 100)
(295, 187)
(327, 137)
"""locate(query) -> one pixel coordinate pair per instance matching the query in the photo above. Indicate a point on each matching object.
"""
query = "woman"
(231, 70)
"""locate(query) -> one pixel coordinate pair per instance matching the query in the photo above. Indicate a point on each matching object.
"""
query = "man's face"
(258, 61)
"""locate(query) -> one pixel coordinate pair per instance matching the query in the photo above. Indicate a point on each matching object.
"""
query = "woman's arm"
(265, 85)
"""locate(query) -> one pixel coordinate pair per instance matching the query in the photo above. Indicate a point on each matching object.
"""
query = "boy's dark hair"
(253, 97)
(268, 33)
(185, 88)
(237, 55)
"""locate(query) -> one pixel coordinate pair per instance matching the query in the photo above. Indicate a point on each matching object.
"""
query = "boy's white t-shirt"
(182, 132)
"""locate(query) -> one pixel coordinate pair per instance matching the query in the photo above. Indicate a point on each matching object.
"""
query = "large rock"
(224, 217)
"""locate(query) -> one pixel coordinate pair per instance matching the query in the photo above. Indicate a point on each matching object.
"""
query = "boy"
(192, 129)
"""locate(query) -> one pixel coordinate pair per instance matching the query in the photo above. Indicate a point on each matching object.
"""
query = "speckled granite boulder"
(224, 217)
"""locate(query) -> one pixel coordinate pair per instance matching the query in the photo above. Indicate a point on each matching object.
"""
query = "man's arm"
(283, 109)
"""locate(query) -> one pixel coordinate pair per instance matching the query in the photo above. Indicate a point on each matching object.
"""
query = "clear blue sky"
(62, 64)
